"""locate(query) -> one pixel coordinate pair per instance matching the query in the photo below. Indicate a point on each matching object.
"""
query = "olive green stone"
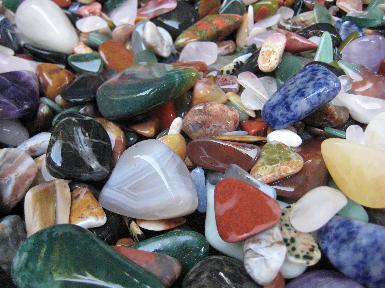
(188, 247)
(141, 88)
(72, 257)
(290, 65)
(83, 63)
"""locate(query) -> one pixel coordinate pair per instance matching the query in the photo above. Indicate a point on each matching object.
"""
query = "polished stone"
(82, 89)
(86, 63)
(36, 145)
(8, 36)
(328, 116)
(12, 132)
(115, 55)
(161, 225)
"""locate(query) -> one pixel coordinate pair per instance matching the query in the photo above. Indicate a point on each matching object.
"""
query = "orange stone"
(198, 65)
(256, 127)
(63, 3)
(208, 7)
(166, 113)
(53, 79)
(148, 128)
(115, 55)
(125, 242)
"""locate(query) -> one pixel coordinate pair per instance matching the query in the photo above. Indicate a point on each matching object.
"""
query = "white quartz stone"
(157, 39)
(12, 63)
(316, 208)
(291, 269)
(355, 134)
(43, 24)
(12, 132)
(150, 182)
(264, 255)
(204, 51)
(91, 23)
(285, 136)
(255, 95)
(375, 132)
(285, 12)
(176, 126)
(125, 13)
(36, 145)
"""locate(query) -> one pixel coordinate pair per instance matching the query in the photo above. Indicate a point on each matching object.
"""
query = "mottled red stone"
(115, 55)
(296, 43)
(218, 155)
(328, 116)
(369, 84)
(208, 7)
(63, 3)
(166, 268)
(166, 113)
(312, 175)
(228, 83)
(256, 127)
(241, 210)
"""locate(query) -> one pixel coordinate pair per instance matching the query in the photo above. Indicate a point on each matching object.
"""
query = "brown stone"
(228, 83)
(148, 128)
(256, 127)
(115, 55)
(206, 90)
(122, 33)
(208, 7)
(328, 116)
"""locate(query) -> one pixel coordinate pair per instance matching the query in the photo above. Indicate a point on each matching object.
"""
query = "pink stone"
(93, 9)
(349, 5)
(155, 8)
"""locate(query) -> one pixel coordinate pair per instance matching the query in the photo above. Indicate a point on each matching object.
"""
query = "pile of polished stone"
(166, 143)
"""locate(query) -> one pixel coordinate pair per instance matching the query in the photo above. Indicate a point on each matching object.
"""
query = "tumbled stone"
(92, 9)
(42, 175)
(209, 119)
(218, 155)
(318, 29)
(79, 149)
(265, 8)
(208, 7)
(328, 116)
(242, 210)
(176, 143)
(206, 90)
(285, 136)
(122, 12)
(46, 205)
(271, 52)
(17, 171)
(12, 132)
(122, 33)
(157, 39)
(226, 47)
(86, 63)
(256, 127)
(155, 8)
(355, 211)
(204, 51)
(296, 43)
(228, 83)
(161, 225)
(36, 145)
(292, 269)
(149, 128)
(277, 161)
(82, 89)
(91, 24)
(115, 55)
(8, 36)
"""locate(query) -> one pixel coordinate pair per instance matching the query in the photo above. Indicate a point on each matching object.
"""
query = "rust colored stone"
(125, 242)
(166, 113)
(115, 55)
(256, 127)
(148, 128)
(328, 116)
(208, 7)
(63, 3)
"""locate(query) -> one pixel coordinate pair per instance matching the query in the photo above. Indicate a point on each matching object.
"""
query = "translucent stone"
(12, 132)
(200, 51)
(375, 132)
(268, 22)
(285, 12)
(156, 186)
(12, 63)
(291, 269)
(36, 145)
(270, 84)
(255, 94)
(91, 24)
(355, 134)
(285, 136)
(125, 13)
(206, 90)
(157, 39)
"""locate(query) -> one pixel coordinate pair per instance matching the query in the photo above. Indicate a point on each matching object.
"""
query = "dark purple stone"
(19, 94)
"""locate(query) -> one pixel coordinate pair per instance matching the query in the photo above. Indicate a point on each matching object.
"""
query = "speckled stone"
(311, 88)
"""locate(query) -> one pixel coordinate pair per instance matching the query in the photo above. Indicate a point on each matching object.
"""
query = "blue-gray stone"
(313, 86)
(214, 177)
(198, 177)
(356, 249)
(8, 37)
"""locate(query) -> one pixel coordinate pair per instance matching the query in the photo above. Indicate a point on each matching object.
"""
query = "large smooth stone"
(12, 234)
(323, 200)
(142, 88)
(218, 271)
(323, 279)
(358, 170)
(65, 256)
(43, 24)
(242, 210)
(312, 87)
(12, 132)
(79, 149)
(156, 186)
(208, 154)
(19, 94)
(200, 51)
(166, 268)
(17, 171)
(189, 247)
(356, 249)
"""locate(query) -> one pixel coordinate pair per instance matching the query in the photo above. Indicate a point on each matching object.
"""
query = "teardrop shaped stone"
(65, 256)
(142, 88)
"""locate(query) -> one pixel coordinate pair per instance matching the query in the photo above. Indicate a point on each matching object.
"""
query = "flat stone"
(242, 210)
(284, 136)
(156, 84)
(209, 119)
(169, 194)
(46, 205)
(86, 63)
(328, 116)
(161, 225)
(12, 132)
(206, 153)
(79, 149)
(164, 267)
(115, 55)
(82, 89)
(204, 51)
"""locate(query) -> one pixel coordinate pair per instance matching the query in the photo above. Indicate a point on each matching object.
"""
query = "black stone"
(318, 29)
(82, 89)
(8, 37)
(5, 280)
(46, 55)
(79, 149)
(218, 272)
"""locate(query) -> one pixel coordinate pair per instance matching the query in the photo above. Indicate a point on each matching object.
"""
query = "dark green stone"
(112, 4)
(131, 138)
(219, 272)
(290, 65)
(141, 88)
(45, 55)
(12, 4)
(72, 111)
(83, 63)
(371, 18)
(178, 20)
(68, 256)
(51, 104)
(232, 7)
(95, 39)
(79, 149)
(82, 89)
(188, 247)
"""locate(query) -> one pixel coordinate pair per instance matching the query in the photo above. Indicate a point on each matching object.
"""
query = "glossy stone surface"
(188, 247)
(142, 88)
(19, 94)
(318, 29)
(304, 93)
(218, 271)
(209, 119)
(115, 55)
(271, 52)
(8, 34)
(218, 155)
(344, 249)
(86, 63)
(161, 225)
(35, 16)
(358, 177)
(204, 51)
(65, 245)
(82, 89)
(12, 132)
(242, 210)
(154, 8)
(328, 116)
(284, 136)
(45, 55)
(164, 267)
(167, 191)
(355, 211)
(296, 43)
(198, 177)
(277, 161)
(36, 145)
(79, 149)
(256, 127)
(17, 171)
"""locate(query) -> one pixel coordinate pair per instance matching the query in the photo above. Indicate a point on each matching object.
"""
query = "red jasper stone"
(166, 113)
(241, 210)
(218, 155)
(381, 70)
(63, 3)
(166, 268)
(115, 55)
(312, 175)
(296, 43)
(255, 127)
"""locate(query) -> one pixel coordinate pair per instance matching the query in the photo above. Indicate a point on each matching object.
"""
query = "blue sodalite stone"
(348, 27)
(198, 177)
(356, 249)
(312, 87)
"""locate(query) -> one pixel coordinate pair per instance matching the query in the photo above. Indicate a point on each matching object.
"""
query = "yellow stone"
(176, 143)
(358, 171)
(206, 90)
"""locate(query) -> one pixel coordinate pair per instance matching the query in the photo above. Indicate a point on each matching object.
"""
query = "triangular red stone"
(296, 43)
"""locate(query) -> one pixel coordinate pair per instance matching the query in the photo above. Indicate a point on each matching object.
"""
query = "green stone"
(325, 49)
(322, 14)
(335, 132)
(188, 247)
(111, 5)
(86, 63)
(354, 211)
(95, 39)
(232, 7)
(145, 57)
(72, 257)
(374, 4)
(141, 88)
(51, 104)
(370, 18)
(289, 66)
(12, 4)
